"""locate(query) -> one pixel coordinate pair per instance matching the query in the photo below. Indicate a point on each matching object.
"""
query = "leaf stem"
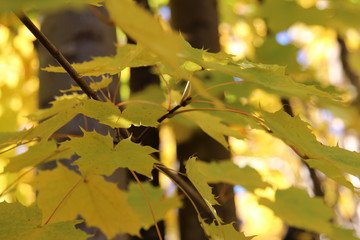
(139, 101)
(117, 87)
(62, 200)
(218, 85)
(148, 203)
(167, 87)
(218, 110)
(57, 55)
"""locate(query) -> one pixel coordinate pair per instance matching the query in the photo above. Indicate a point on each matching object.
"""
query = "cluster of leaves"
(64, 194)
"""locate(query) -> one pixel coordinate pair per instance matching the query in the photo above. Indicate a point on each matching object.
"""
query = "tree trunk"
(197, 20)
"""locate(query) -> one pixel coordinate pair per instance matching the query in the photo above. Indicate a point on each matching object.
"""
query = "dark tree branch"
(57, 55)
(191, 191)
(352, 76)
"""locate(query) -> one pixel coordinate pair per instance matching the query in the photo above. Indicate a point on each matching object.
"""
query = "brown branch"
(190, 191)
(352, 76)
(57, 55)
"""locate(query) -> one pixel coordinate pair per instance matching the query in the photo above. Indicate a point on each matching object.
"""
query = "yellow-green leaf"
(223, 232)
(297, 209)
(146, 30)
(229, 172)
(213, 126)
(100, 203)
(159, 204)
(106, 112)
(331, 160)
(39, 153)
(199, 181)
(99, 156)
(20, 222)
(128, 55)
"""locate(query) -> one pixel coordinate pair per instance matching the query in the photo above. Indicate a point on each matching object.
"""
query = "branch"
(57, 55)
(190, 191)
(352, 76)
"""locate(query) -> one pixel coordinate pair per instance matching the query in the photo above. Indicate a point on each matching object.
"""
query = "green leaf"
(331, 160)
(106, 112)
(20, 222)
(128, 55)
(141, 26)
(160, 204)
(213, 126)
(229, 172)
(41, 4)
(39, 153)
(143, 114)
(63, 110)
(297, 209)
(223, 232)
(268, 77)
(100, 203)
(198, 180)
(339, 15)
(99, 156)
(96, 86)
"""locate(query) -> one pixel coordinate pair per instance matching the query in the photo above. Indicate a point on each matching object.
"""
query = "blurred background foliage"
(303, 35)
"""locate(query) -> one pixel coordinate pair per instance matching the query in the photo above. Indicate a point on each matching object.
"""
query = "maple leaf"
(213, 126)
(99, 156)
(229, 172)
(128, 55)
(146, 30)
(198, 180)
(96, 86)
(20, 222)
(159, 204)
(330, 160)
(39, 153)
(106, 112)
(223, 232)
(297, 209)
(100, 203)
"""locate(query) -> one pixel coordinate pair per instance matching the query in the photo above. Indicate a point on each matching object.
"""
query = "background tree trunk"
(197, 20)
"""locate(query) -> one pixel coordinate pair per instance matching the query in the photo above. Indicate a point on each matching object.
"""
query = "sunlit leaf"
(196, 178)
(99, 156)
(96, 86)
(143, 114)
(223, 232)
(146, 30)
(20, 222)
(42, 4)
(295, 132)
(229, 172)
(213, 126)
(160, 204)
(106, 112)
(128, 55)
(268, 77)
(100, 203)
(39, 153)
(297, 209)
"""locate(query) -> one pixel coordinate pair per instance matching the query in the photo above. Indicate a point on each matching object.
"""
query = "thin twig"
(217, 110)
(57, 55)
(193, 195)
